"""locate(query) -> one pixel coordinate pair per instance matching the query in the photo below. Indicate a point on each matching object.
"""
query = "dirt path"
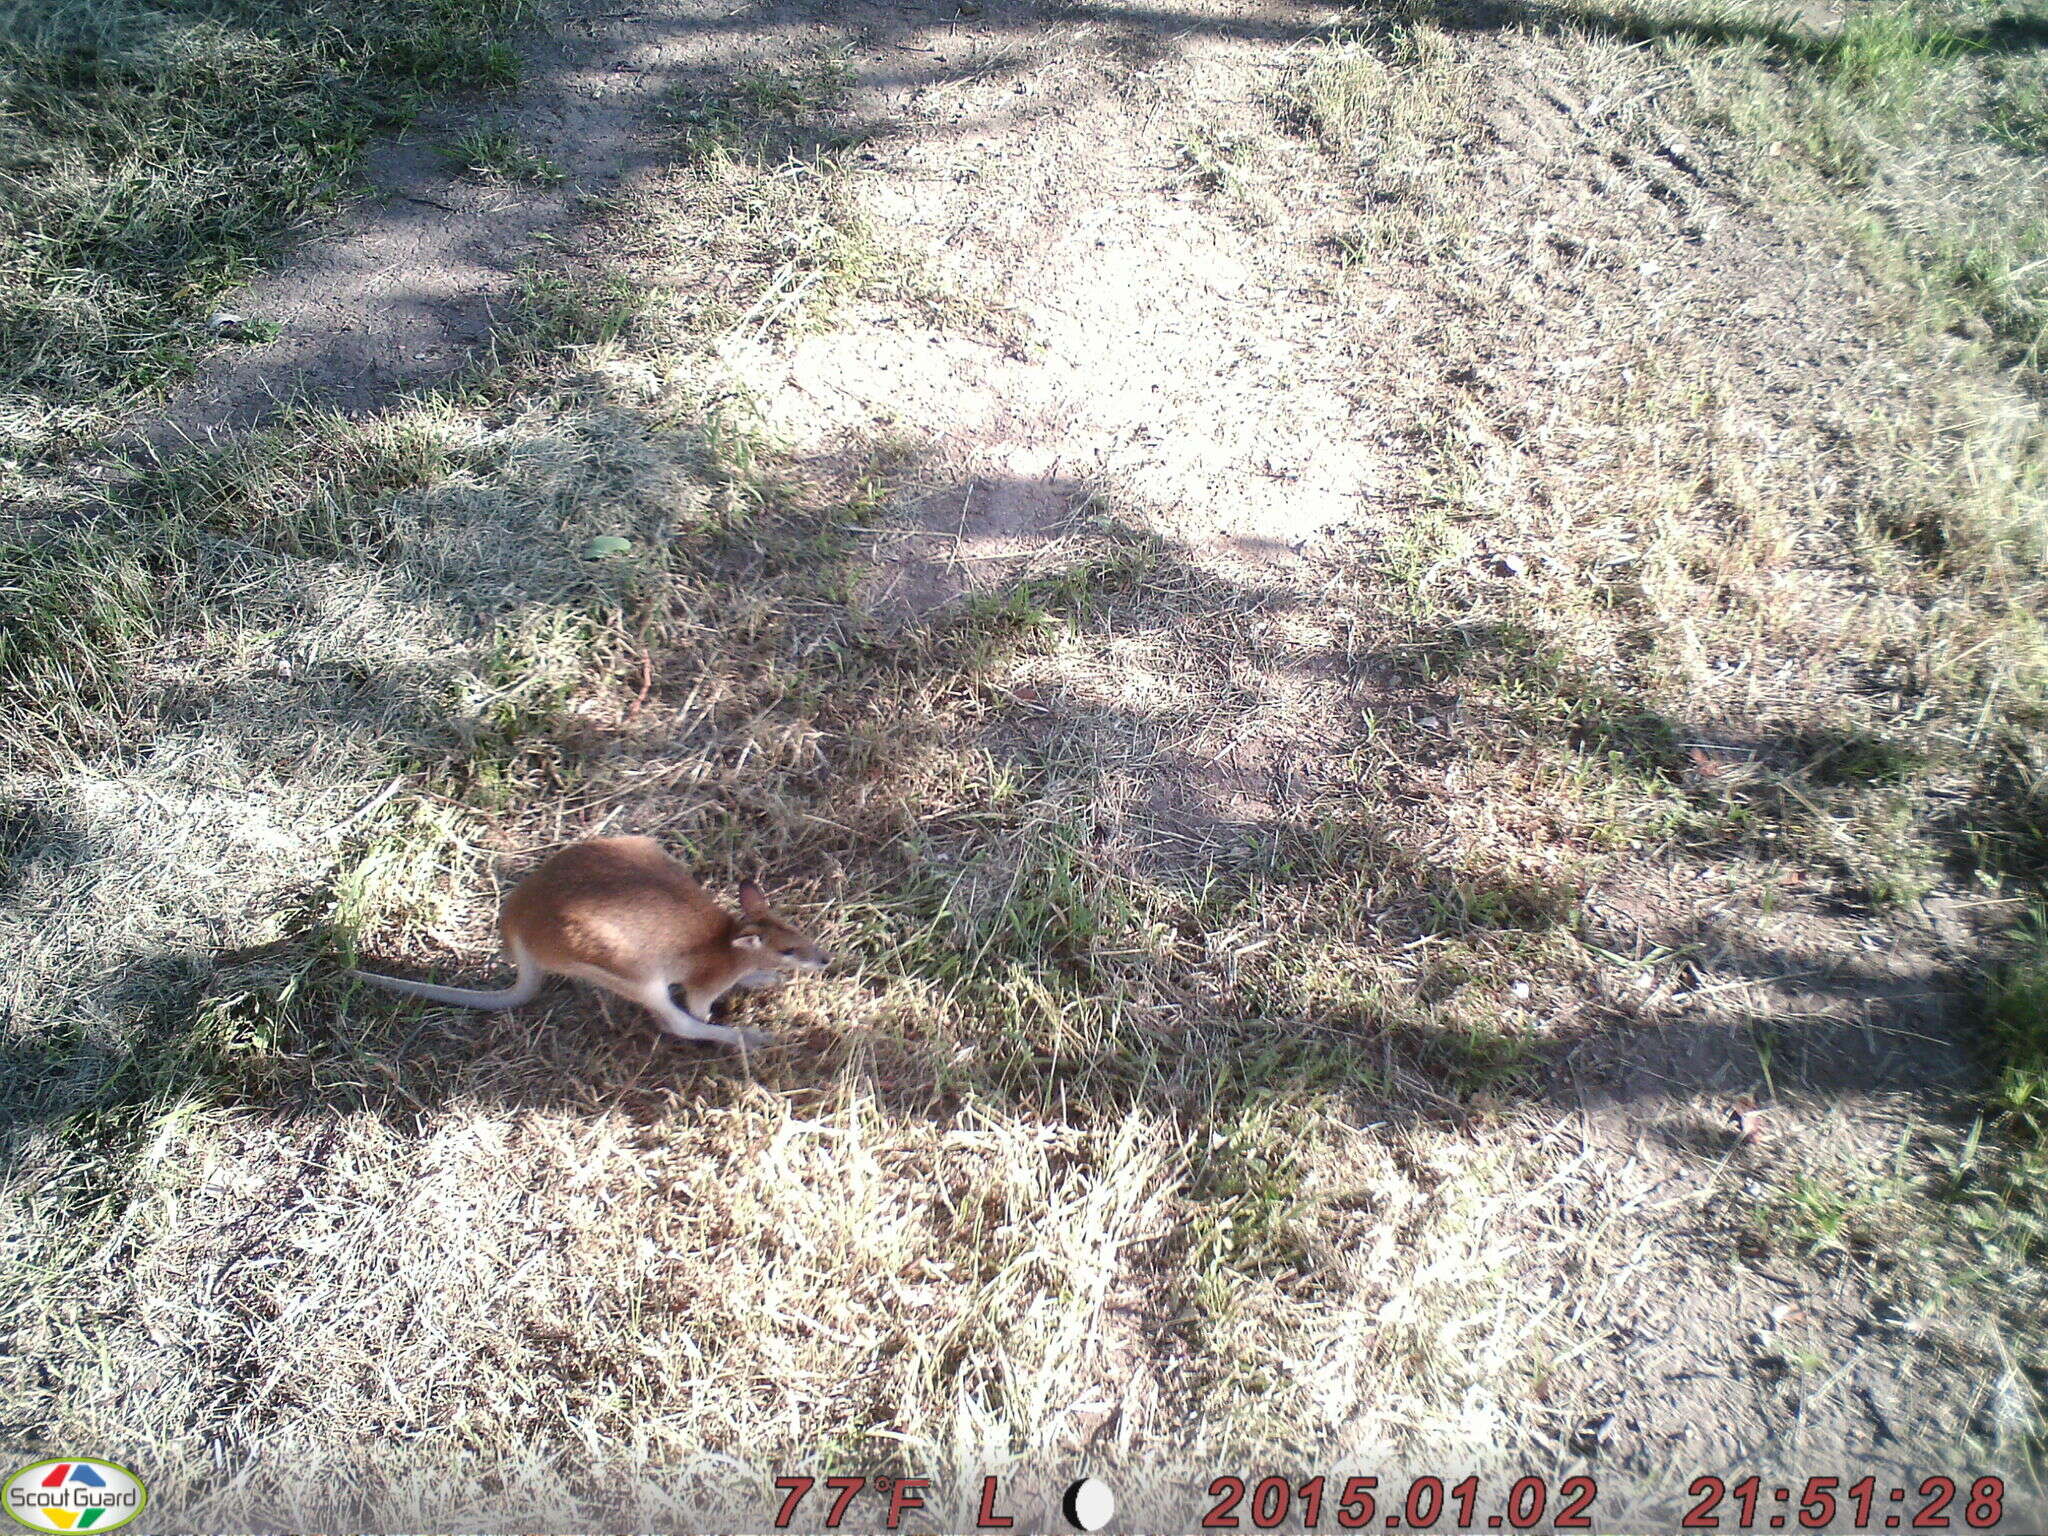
(1181, 351)
(403, 289)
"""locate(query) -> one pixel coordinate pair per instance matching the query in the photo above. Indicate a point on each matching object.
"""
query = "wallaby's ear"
(752, 902)
(746, 941)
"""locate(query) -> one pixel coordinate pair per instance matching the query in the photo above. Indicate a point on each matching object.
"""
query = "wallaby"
(618, 911)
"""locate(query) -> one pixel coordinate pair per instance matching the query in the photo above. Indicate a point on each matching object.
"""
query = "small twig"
(1984, 714)
(1744, 981)
(367, 808)
(646, 682)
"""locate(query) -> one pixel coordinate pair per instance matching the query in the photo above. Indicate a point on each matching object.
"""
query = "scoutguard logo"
(78, 1495)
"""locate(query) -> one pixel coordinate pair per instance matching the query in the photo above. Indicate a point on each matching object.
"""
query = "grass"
(768, 190)
(1000, 1041)
(160, 154)
(560, 310)
(2019, 120)
(1178, 1107)
(74, 613)
(1227, 166)
(1821, 1214)
(2018, 1040)
(1892, 89)
(766, 109)
(495, 153)
(1676, 562)
(1877, 111)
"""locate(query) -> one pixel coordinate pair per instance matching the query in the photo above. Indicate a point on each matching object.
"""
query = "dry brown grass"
(943, 1233)
(1263, 1044)
(1785, 581)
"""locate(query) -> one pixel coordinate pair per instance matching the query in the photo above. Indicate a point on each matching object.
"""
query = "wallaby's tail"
(524, 990)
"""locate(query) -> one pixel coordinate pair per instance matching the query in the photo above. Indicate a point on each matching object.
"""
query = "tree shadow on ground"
(405, 290)
(1123, 774)
(1790, 43)
(1181, 819)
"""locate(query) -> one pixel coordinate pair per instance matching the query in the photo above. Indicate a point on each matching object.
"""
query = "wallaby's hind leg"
(653, 996)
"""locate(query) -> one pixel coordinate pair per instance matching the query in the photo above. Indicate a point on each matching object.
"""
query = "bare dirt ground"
(402, 291)
(1135, 294)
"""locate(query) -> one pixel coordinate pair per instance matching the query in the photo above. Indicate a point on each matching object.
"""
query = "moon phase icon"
(1089, 1505)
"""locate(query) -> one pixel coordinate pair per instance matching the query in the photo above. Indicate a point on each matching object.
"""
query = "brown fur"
(620, 913)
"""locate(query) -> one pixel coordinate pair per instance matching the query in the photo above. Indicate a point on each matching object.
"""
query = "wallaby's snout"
(786, 948)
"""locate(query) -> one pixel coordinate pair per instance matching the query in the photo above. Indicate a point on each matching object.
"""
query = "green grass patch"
(495, 153)
(157, 155)
(1835, 756)
(770, 110)
(74, 612)
(559, 310)
(2017, 1035)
